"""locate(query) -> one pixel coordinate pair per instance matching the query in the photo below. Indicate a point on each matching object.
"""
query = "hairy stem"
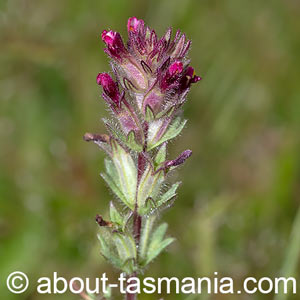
(137, 219)
(130, 296)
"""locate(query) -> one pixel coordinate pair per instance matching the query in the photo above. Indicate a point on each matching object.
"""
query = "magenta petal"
(196, 79)
(109, 86)
(108, 37)
(133, 24)
(114, 43)
(170, 80)
(175, 68)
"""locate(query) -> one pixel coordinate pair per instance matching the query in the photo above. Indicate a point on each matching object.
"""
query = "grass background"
(236, 210)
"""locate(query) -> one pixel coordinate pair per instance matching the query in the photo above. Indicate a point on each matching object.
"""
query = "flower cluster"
(152, 78)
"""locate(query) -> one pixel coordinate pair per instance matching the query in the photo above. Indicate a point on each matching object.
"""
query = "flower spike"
(152, 80)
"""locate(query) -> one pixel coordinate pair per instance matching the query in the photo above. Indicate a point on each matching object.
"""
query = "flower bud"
(115, 46)
(179, 160)
(111, 94)
(134, 24)
(110, 88)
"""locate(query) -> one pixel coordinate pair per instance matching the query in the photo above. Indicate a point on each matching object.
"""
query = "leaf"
(114, 187)
(159, 233)
(118, 134)
(125, 245)
(110, 168)
(107, 250)
(127, 173)
(155, 251)
(126, 219)
(131, 142)
(145, 237)
(174, 130)
(157, 244)
(115, 216)
(112, 180)
(171, 193)
(167, 112)
(161, 155)
(149, 187)
(156, 130)
(126, 248)
(149, 115)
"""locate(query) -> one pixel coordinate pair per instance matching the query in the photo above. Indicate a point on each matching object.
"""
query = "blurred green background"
(236, 213)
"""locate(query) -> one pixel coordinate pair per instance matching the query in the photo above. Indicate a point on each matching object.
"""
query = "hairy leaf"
(126, 248)
(115, 215)
(157, 243)
(149, 187)
(145, 237)
(154, 251)
(149, 116)
(107, 250)
(171, 193)
(161, 155)
(114, 187)
(174, 130)
(131, 142)
(127, 173)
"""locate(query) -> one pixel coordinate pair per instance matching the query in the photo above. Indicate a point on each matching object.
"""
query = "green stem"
(137, 219)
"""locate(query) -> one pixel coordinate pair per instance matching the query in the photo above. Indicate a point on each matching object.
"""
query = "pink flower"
(153, 75)
(175, 68)
(110, 88)
(115, 46)
(134, 24)
(172, 75)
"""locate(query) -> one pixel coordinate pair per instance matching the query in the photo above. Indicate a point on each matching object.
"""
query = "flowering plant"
(152, 80)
